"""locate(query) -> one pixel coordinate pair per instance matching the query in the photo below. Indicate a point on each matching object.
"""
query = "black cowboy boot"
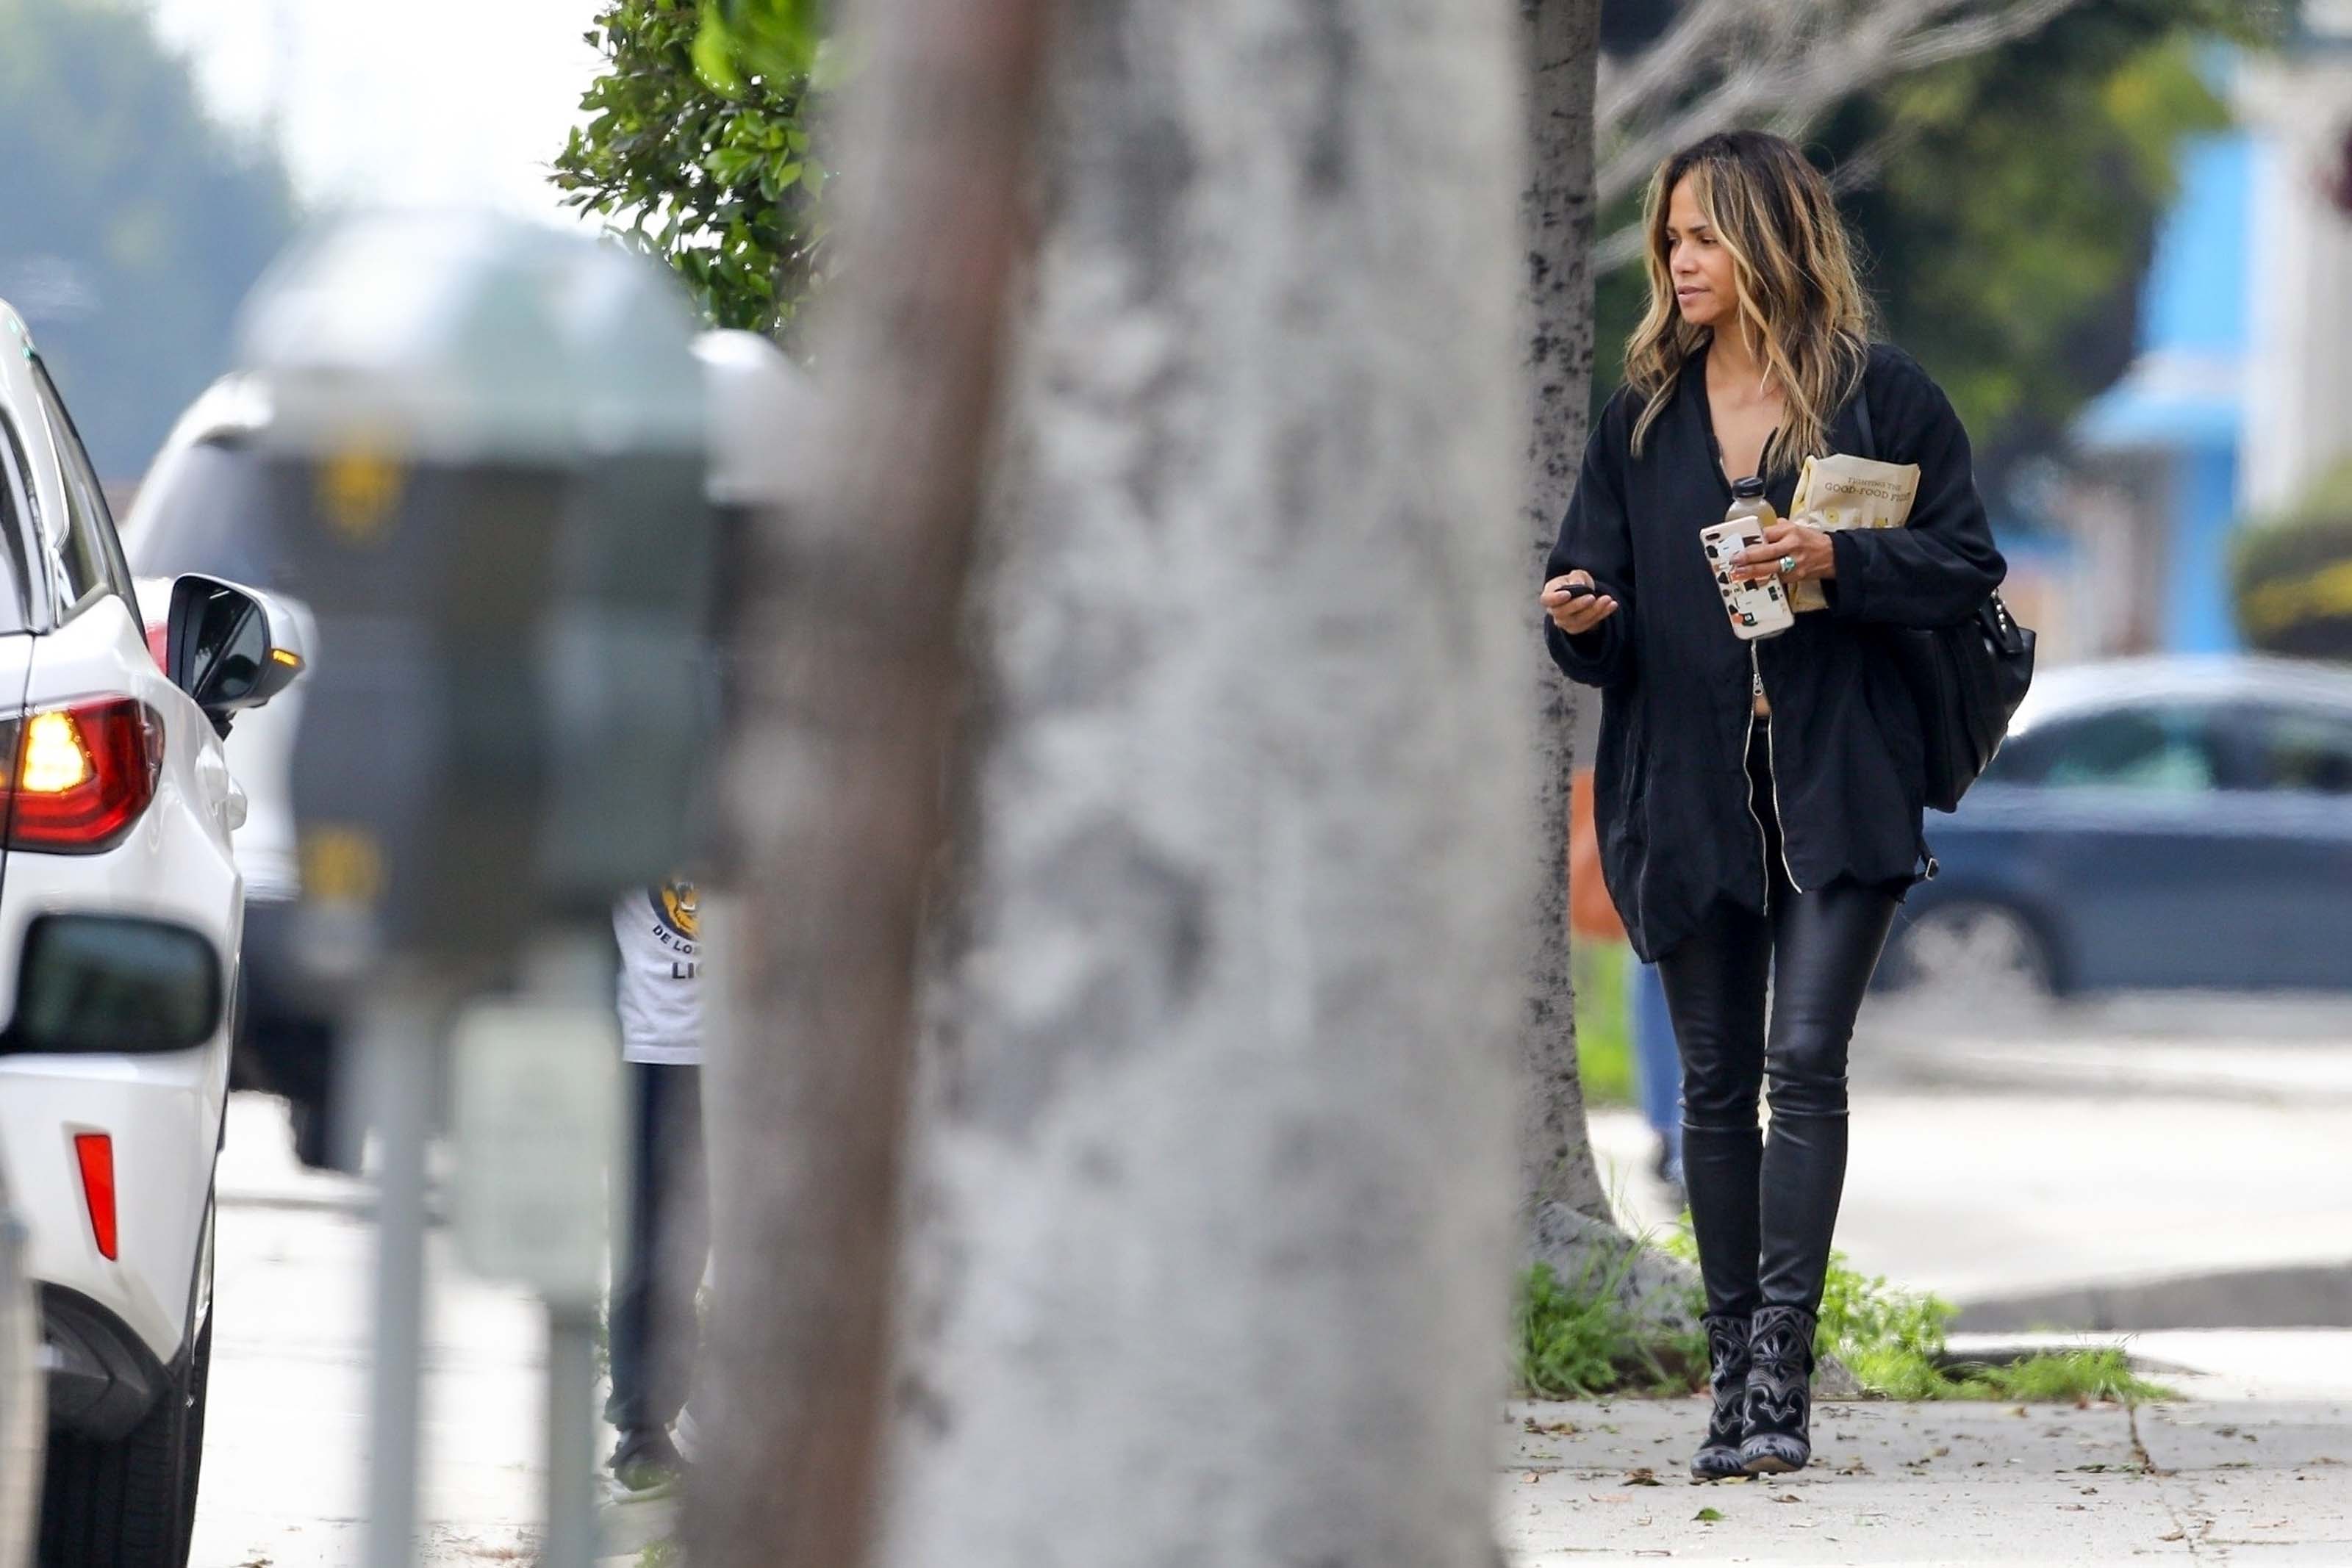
(1778, 1409)
(1727, 1378)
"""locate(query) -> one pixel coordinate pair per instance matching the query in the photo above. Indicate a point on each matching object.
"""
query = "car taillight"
(95, 1153)
(83, 774)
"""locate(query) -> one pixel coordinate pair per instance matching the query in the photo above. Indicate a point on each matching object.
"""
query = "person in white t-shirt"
(660, 1256)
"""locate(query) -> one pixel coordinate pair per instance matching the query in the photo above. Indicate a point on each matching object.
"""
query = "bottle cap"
(1747, 489)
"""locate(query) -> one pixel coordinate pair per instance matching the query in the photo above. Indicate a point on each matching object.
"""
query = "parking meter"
(483, 470)
(484, 474)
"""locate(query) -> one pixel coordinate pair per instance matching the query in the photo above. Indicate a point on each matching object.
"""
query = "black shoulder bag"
(1967, 680)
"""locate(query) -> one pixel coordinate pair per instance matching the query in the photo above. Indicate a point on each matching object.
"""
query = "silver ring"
(1788, 564)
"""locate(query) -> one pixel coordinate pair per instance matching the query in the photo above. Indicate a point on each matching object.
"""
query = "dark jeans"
(658, 1255)
(1763, 1209)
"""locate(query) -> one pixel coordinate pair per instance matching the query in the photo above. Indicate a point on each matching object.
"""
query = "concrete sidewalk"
(2253, 1465)
(2261, 1481)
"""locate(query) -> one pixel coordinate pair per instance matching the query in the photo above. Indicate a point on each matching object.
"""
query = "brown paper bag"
(1842, 492)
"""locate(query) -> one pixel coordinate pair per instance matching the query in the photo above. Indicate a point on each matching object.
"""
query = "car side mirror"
(229, 647)
(113, 984)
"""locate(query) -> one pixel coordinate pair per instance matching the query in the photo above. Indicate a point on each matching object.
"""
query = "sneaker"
(646, 1466)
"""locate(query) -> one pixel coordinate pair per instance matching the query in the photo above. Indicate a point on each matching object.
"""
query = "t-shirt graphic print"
(659, 994)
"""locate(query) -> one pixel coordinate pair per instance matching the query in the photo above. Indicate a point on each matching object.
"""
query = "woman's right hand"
(1576, 613)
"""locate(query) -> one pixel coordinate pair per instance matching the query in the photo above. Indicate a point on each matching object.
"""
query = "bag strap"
(1862, 418)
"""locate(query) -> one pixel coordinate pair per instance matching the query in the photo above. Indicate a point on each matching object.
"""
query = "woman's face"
(1696, 262)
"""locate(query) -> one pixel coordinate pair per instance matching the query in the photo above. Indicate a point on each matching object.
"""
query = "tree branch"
(1832, 58)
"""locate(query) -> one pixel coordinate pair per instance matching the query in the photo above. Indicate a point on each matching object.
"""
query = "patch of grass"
(663, 1553)
(2061, 1377)
(1579, 1338)
(1892, 1340)
(1604, 1032)
(1895, 1342)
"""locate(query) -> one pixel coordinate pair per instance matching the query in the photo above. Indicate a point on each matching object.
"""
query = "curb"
(2293, 1296)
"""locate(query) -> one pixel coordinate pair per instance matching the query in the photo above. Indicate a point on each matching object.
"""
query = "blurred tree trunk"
(1214, 1193)
(846, 619)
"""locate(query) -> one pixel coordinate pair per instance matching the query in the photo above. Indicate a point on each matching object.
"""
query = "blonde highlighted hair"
(1799, 304)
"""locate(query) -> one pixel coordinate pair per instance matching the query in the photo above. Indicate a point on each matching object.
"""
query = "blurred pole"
(850, 676)
(567, 970)
(399, 1042)
(571, 1436)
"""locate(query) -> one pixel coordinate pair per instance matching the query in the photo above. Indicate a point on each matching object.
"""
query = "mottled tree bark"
(1216, 1181)
(1563, 44)
(1569, 1224)
(848, 673)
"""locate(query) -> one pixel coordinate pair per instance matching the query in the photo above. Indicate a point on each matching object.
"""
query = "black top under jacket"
(1670, 783)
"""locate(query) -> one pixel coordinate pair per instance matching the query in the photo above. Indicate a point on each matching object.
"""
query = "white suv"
(121, 909)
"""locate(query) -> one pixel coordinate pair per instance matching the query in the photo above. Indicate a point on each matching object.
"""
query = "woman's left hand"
(1806, 547)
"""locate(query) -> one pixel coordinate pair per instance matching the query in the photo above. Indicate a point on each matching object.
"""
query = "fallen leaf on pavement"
(1788, 1497)
(1645, 1476)
(1708, 1515)
(2175, 1535)
(1552, 1429)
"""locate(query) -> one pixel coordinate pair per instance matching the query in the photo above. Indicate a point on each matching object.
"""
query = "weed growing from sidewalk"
(1893, 1342)
(1580, 1338)
(2066, 1374)
(663, 1553)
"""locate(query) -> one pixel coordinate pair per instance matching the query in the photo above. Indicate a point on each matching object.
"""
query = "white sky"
(398, 101)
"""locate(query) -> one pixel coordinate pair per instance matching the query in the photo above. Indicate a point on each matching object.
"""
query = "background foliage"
(2293, 574)
(134, 225)
(2009, 233)
(699, 148)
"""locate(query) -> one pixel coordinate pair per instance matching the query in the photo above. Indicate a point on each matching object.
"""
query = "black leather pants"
(1763, 1208)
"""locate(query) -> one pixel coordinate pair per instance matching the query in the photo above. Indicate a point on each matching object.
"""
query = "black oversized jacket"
(1670, 782)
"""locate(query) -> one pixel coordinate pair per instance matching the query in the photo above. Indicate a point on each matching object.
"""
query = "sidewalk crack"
(2190, 1534)
(2140, 1449)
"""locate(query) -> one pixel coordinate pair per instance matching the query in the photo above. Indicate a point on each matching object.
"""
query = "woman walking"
(1759, 803)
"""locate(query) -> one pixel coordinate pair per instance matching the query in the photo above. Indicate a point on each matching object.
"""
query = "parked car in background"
(22, 1407)
(120, 911)
(197, 511)
(2160, 823)
(193, 513)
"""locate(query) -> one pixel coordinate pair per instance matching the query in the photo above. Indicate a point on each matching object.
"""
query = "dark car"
(2151, 824)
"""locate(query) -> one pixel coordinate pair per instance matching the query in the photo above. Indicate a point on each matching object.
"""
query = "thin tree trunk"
(1215, 1207)
(1563, 44)
(849, 671)
(1570, 1226)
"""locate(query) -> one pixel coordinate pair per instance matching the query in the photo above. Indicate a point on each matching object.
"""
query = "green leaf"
(1709, 1516)
(698, 153)
(714, 54)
